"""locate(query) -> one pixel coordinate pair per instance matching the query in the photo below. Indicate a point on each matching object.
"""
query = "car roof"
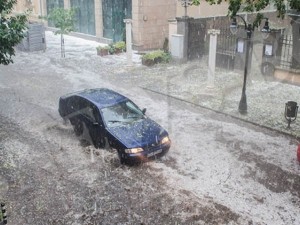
(101, 97)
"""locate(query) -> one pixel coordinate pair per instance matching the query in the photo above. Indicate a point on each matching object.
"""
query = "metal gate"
(197, 46)
(286, 44)
(114, 12)
(198, 40)
(226, 44)
(288, 59)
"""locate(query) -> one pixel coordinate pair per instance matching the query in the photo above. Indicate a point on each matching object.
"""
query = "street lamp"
(266, 29)
(249, 30)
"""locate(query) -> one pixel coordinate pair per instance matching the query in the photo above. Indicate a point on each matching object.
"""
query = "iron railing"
(285, 59)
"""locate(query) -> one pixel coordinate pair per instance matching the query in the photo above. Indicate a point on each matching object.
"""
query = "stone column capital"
(127, 20)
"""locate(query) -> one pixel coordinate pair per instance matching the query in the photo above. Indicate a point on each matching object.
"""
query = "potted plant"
(102, 50)
(120, 46)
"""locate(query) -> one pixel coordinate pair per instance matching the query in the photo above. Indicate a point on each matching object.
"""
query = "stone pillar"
(43, 11)
(128, 23)
(212, 56)
(98, 19)
(43, 7)
(183, 29)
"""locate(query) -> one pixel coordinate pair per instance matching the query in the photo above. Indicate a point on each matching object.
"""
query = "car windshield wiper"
(115, 121)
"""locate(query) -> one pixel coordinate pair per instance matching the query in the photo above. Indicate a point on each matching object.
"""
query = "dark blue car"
(111, 119)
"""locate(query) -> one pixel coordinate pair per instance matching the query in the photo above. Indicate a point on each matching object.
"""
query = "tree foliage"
(12, 30)
(63, 19)
(235, 6)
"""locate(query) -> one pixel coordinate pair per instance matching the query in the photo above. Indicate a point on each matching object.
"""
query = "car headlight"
(165, 140)
(134, 150)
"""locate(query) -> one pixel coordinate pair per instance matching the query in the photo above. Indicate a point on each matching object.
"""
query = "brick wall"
(150, 22)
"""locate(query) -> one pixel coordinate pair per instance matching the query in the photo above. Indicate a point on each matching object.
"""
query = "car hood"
(139, 133)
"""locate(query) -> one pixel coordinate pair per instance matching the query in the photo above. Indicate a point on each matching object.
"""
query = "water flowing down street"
(220, 169)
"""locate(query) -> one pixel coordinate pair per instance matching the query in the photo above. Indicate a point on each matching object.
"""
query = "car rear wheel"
(78, 128)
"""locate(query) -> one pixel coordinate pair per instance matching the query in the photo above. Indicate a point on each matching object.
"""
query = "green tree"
(234, 6)
(63, 19)
(12, 30)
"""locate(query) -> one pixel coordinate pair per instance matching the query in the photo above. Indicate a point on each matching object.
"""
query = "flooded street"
(219, 170)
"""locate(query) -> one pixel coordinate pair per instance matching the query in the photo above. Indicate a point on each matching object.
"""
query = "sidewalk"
(189, 82)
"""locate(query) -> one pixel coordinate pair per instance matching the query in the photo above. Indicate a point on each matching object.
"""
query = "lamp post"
(249, 29)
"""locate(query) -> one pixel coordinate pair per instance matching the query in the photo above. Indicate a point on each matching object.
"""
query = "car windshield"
(123, 112)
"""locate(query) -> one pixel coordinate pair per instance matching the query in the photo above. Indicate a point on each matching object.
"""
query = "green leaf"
(63, 19)
(12, 30)
(196, 2)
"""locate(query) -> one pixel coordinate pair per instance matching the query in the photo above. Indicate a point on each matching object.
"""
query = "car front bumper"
(147, 155)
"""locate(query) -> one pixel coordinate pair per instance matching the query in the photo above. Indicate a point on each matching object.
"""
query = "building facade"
(102, 20)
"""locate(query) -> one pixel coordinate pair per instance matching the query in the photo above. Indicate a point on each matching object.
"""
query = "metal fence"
(226, 49)
(285, 60)
(197, 45)
(198, 40)
(227, 57)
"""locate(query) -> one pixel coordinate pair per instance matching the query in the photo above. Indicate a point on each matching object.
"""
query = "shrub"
(157, 56)
(116, 47)
(103, 47)
(121, 45)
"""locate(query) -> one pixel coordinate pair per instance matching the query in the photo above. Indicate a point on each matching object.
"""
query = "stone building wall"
(150, 22)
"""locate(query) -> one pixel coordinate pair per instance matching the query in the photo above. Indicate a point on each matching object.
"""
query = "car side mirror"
(144, 111)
